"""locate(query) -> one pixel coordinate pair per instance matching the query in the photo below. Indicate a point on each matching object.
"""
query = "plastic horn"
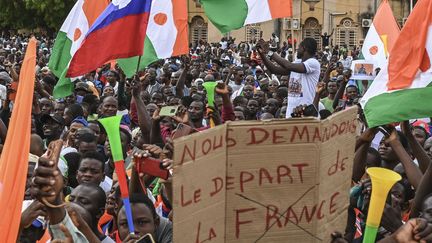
(210, 89)
(382, 181)
(112, 127)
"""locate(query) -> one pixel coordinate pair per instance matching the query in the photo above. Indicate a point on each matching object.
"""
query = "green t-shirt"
(328, 104)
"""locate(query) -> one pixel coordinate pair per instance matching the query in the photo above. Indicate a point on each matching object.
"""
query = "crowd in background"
(257, 80)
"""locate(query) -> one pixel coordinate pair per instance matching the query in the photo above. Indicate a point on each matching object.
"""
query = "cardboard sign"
(275, 181)
(199, 195)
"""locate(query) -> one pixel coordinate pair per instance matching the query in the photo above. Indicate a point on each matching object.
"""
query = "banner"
(274, 181)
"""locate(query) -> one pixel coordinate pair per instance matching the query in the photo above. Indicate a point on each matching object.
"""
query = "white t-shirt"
(235, 87)
(224, 45)
(302, 86)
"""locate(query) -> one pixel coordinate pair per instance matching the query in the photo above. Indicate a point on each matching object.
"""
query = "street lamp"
(312, 4)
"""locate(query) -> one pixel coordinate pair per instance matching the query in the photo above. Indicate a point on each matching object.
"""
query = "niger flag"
(381, 36)
(228, 15)
(404, 90)
(14, 158)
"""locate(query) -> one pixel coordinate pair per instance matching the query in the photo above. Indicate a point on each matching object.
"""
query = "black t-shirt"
(325, 40)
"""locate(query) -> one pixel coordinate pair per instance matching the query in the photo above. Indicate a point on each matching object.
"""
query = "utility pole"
(376, 6)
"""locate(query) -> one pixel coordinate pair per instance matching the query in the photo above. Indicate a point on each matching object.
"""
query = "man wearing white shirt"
(346, 60)
(304, 73)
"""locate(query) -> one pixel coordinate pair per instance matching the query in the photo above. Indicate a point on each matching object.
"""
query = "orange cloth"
(13, 86)
(46, 237)
(14, 158)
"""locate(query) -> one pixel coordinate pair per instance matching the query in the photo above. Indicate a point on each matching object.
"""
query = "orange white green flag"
(403, 90)
(381, 36)
(229, 15)
(15, 154)
(69, 39)
(166, 35)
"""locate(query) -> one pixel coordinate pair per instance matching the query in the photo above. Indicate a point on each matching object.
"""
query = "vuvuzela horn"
(112, 127)
(382, 181)
(210, 89)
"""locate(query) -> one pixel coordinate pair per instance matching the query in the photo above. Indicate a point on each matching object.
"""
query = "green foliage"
(29, 14)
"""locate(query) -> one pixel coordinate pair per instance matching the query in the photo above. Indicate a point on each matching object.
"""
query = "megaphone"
(112, 127)
(382, 181)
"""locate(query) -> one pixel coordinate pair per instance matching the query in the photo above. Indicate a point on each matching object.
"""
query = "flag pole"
(138, 64)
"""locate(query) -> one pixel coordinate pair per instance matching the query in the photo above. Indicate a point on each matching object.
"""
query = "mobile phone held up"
(151, 166)
(168, 111)
(148, 238)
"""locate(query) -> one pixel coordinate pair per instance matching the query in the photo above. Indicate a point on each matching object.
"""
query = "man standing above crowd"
(326, 38)
(304, 73)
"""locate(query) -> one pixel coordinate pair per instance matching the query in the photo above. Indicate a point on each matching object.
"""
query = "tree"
(30, 14)
(53, 12)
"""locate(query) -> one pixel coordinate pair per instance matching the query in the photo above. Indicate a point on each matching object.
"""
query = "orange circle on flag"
(77, 34)
(160, 18)
(373, 50)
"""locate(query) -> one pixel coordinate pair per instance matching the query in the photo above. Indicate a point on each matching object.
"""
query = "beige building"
(347, 19)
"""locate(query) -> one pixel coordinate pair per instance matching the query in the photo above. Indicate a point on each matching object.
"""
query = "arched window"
(347, 33)
(312, 29)
(253, 32)
(198, 29)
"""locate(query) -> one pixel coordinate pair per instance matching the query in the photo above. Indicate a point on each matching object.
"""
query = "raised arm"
(155, 133)
(341, 90)
(182, 79)
(330, 68)
(227, 106)
(417, 149)
(319, 90)
(144, 119)
(231, 71)
(360, 156)
(423, 190)
(287, 65)
(412, 171)
(11, 68)
(121, 97)
(262, 49)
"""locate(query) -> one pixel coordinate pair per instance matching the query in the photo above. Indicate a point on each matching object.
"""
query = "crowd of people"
(257, 80)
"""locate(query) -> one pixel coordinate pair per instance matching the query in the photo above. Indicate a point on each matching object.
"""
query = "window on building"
(198, 29)
(312, 29)
(253, 31)
(347, 33)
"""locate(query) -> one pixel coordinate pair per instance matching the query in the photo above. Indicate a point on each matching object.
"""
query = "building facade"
(348, 20)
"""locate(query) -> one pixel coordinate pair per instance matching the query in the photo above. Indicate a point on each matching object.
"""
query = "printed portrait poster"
(363, 70)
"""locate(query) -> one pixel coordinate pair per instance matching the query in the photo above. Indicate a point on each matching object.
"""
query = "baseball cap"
(57, 118)
(81, 120)
(82, 86)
